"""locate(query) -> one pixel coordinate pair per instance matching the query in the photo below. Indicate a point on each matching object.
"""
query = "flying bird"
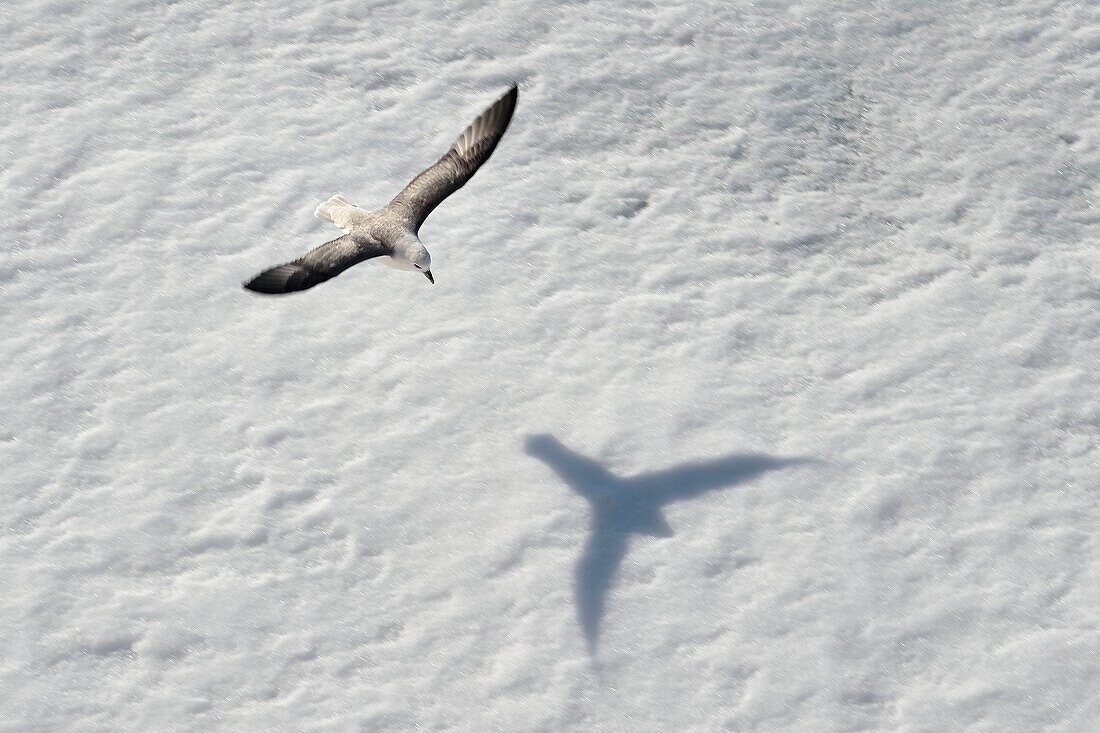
(392, 232)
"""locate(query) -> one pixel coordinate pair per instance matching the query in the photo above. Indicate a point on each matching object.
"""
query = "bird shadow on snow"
(625, 506)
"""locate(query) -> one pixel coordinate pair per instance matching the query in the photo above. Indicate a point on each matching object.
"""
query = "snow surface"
(836, 259)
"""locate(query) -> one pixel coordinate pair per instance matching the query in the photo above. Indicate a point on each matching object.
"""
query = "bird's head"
(421, 261)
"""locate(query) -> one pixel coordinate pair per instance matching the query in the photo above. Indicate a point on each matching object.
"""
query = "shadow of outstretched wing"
(581, 473)
(604, 551)
(692, 479)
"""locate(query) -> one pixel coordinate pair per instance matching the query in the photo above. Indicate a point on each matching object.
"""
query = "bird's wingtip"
(283, 279)
(251, 286)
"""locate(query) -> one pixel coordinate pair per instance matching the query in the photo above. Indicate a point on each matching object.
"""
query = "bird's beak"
(428, 274)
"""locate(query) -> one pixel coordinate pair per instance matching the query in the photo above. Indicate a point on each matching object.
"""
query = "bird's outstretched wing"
(317, 265)
(450, 173)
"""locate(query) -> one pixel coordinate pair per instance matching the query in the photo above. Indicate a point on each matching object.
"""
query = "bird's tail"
(327, 209)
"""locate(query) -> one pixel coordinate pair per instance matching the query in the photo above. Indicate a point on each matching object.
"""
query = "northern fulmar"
(393, 230)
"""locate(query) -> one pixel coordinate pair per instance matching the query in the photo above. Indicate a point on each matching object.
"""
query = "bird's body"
(392, 232)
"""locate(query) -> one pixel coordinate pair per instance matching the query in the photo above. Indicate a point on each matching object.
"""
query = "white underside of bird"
(350, 218)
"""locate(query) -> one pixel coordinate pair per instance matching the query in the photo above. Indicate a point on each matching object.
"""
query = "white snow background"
(860, 234)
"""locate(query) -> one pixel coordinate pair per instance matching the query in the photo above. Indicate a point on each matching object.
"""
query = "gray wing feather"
(458, 165)
(317, 265)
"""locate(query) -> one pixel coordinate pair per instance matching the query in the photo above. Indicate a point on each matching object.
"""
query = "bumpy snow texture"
(758, 389)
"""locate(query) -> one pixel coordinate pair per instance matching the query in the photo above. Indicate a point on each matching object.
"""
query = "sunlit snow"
(758, 389)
